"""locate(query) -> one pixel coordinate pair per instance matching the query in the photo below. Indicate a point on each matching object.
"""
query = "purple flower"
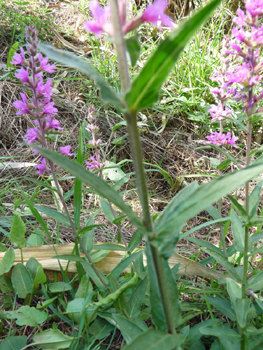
(240, 20)
(48, 107)
(254, 7)
(239, 34)
(155, 13)
(95, 164)
(23, 75)
(49, 123)
(241, 75)
(42, 166)
(19, 59)
(231, 141)
(44, 90)
(22, 105)
(44, 64)
(32, 135)
(250, 291)
(65, 150)
(101, 16)
(221, 139)
(218, 113)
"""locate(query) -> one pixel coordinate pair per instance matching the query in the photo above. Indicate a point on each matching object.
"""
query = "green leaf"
(135, 302)
(37, 272)
(124, 263)
(255, 283)
(242, 307)
(238, 231)
(234, 291)
(241, 211)
(71, 60)
(7, 261)
(17, 233)
(78, 307)
(109, 246)
(194, 333)
(221, 331)
(255, 118)
(21, 280)
(93, 275)
(224, 262)
(100, 328)
(128, 328)
(78, 184)
(155, 340)
(194, 201)
(13, 343)
(206, 244)
(223, 306)
(102, 188)
(54, 214)
(162, 224)
(58, 287)
(254, 199)
(157, 312)
(113, 171)
(223, 165)
(173, 292)
(11, 53)
(85, 287)
(52, 339)
(88, 236)
(133, 48)
(29, 316)
(107, 210)
(35, 213)
(146, 86)
(135, 240)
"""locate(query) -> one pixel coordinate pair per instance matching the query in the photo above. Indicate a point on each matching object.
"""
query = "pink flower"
(32, 135)
(254, 7)
(22, 105)
(250, 291)
(45, 90)
(241, 75)
(221, 139)
(241, 19)
(44, 64)
(48, 107)
(48, 124)
(95, 164)
(155, 13)
(239, 34)
(23, 75)
(101, 16)
(19, 59)
(42, 166)
(65, 150)
(218, 113)
(231, 141)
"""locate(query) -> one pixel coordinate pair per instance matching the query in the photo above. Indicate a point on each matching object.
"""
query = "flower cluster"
(220, 112)
(153, 14)
(39, 106)
(95, 163)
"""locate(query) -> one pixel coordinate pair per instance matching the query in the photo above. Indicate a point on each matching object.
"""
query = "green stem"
(139, 170)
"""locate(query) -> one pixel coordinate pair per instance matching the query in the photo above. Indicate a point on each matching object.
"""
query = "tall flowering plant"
(39, 106)
(162, 234)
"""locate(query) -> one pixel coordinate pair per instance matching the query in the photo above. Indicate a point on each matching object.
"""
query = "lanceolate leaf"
(145, 88)
(179, 211)
(71, 60)
(101, 187)
(155, 340)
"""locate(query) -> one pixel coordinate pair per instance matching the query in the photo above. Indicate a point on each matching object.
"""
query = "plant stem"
(139, 170)
(120, 46)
